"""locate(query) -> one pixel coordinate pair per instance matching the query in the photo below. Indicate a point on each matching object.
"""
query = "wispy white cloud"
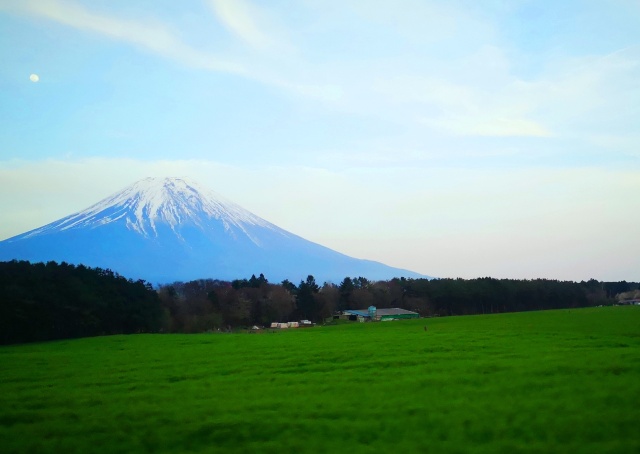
(593, 94)
(489, 125)
(472, 89)
(148, 35)
(250, 24)
(464, 109)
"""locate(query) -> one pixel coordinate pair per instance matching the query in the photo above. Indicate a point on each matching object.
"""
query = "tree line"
(200, 305)
(55, 301)
(49, 301)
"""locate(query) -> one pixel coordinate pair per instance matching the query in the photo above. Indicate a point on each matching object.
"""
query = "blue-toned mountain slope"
(168, 229)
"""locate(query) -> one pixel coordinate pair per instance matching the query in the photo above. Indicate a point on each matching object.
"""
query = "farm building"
(300, 324)
(373, 313)
(633, 302)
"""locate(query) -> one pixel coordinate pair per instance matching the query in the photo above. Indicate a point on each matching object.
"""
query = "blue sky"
(458, 138)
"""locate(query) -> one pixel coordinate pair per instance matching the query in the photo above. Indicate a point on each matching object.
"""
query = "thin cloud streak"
(150, 36)
(246, 22)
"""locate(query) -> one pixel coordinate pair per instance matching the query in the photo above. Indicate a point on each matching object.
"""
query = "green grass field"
(556, 381)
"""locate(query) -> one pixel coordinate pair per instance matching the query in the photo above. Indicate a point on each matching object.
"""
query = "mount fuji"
(164, 230)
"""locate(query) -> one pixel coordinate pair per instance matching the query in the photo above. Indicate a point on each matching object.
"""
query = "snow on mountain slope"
(168, 229)
(170, 201)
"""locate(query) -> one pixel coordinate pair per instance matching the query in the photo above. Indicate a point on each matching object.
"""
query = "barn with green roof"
(375, 314)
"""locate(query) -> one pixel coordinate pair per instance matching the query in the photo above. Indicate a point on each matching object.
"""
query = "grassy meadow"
(554, 381)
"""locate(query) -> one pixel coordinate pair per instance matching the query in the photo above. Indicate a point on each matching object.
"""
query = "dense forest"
(58, 301)
(55, 301)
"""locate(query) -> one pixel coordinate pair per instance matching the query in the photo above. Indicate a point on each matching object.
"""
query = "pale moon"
(34, 78)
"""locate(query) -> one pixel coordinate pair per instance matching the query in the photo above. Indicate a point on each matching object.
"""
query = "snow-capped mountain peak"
(151, 202)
